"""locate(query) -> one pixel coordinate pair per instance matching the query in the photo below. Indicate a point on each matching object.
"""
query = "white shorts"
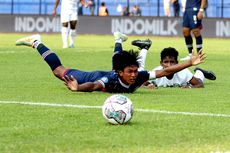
(69, 17)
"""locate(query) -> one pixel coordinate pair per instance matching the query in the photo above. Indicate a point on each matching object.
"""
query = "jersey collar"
(122, 84)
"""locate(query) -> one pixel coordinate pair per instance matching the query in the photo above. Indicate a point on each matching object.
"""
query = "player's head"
(169, 57)
(102, 3)
(126, 65)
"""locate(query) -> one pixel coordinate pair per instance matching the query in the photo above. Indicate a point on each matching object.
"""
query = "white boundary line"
(99, 107)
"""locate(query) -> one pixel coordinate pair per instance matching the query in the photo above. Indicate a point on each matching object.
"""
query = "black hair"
(102, 3)
(170, 51)
(124, 59)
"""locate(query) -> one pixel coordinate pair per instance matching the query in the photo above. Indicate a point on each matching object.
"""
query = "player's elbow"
(92, 87)
(95, 86)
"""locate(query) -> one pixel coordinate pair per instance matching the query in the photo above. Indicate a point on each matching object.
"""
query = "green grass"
(25, 77)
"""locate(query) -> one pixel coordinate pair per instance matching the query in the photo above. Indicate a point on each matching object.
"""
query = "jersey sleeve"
(103, 81)
(152, 74)
(143, 76)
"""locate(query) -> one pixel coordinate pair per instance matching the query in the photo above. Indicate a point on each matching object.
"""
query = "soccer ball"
(117, 109)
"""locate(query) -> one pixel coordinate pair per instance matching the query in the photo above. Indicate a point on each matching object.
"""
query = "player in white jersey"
(180, 78)
(184, 78)
(69, 18)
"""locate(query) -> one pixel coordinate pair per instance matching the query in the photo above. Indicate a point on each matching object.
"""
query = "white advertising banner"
(156, 26)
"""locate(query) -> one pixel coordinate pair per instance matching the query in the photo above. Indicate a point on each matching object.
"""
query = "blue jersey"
(190, 4)
(109, 80)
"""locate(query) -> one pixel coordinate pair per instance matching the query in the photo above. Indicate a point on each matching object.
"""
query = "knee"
(65, 24)
(196, 32)
(59, 72)
(186, 32)
(73, 24)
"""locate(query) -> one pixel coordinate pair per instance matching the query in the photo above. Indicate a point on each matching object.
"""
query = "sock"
(199, 42)
(118, 41)
(64, 34)
(72, 35)
(198, 74)
(118, 47)
(36, 44)
(49, 56)
(141, 59)
(189, 42)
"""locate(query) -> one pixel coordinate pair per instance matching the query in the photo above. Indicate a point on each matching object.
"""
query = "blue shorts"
(190, 19)
(82, 76)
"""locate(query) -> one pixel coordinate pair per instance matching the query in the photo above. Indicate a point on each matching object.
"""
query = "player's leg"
(65, 18)
(144, 46)
(188, 39)
(72, 33)
(189, 43)
(187, 19)
(119, 38)
(201, 73)
(198, 37)
(48, 55)
(167, 8)
(64, 34)
(73, 28)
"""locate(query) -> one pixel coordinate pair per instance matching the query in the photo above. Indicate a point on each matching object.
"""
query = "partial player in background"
(69, 18)
(124, 78)
(176, 7)
(91, 5)
(192, 23)
(183, 78)
(166, 4)
(103, 10)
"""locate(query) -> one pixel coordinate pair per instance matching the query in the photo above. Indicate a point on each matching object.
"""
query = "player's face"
(129, 74)
(168, 61)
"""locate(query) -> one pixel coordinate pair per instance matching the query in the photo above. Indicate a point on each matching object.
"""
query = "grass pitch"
(25, 77)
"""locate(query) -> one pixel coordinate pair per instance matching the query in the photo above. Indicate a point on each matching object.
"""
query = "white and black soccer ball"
(117, 109)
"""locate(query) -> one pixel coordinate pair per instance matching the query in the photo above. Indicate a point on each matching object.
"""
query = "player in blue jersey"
(192, 23)
(124, 78)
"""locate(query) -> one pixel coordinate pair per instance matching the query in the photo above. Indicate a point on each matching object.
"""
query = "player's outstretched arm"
(195, 60)
(72, 84)
(54, 13)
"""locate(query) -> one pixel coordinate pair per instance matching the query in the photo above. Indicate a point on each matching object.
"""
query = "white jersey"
(69, 6)
(180, 78)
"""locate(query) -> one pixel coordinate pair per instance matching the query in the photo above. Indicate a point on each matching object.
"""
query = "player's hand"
(198, 58)
(54, 13)
(151, 86)
(200, 15)
(71, 83)
(86, 5)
